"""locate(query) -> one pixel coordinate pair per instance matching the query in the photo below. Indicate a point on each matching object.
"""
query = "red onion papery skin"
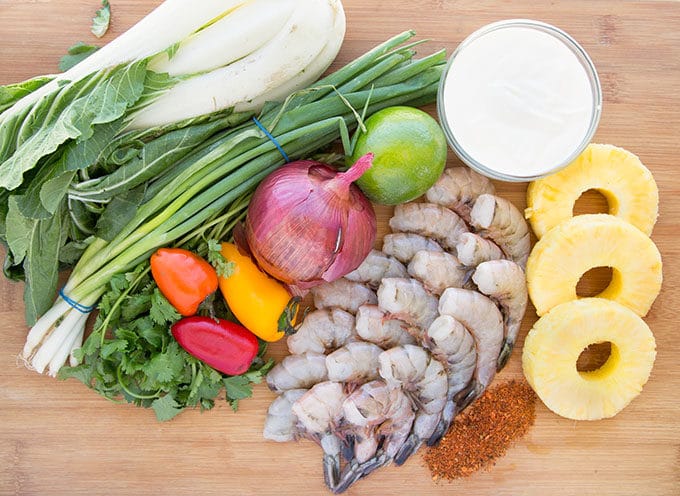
(308, 224)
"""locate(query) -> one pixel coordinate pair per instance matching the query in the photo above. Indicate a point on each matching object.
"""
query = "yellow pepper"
(261, 303)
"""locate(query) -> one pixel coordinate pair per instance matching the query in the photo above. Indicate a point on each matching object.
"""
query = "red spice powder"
(484, 431)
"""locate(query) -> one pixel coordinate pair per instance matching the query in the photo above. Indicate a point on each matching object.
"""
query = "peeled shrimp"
(403, 246)
(501, 221)
(373, 325)
(430, 220)
(423, 378)
(438, 270)
(458, 188)
(319, 412)
(408, 300)
(281, 424)
(449, 341)
(472, 249)
(484, 321)
(504, 282)
(323, 330)
(374, 414)
(297, 372)
(376, 266)
(355, 363)
(344, 294)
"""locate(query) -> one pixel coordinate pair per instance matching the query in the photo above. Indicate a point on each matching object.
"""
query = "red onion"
(307, 223)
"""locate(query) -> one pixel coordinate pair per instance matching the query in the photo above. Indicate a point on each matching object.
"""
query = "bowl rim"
(583, 58)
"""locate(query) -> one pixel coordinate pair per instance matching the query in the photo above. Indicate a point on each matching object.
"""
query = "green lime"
(410, 154)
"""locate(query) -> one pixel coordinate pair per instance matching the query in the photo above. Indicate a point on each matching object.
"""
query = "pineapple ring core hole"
(592, 201)
(594, 281)
(594, 356)
(600, 360)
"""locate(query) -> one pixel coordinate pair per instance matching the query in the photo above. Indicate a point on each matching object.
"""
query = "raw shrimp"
(376, 266)
(472, 249)
(423, 378)
(430, 220)
(344, 294)
(319, 412)
(458, 188)
(403, 246)
(323, 330)
(408, 300)
(500, 220)
(281, 424)
(378, 421)
(449, 341)
(354, 363)
(297, 372)
(373, 325)
(484, 321)
(504, 282)
(438, 270)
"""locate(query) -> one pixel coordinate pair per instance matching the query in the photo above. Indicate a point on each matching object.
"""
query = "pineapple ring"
(616, 173)
(565, 253)
(554, 344)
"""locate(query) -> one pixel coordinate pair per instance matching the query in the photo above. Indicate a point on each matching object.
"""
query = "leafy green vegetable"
(70, 113)
(12, 93)
(100, 22)
(76, 54)
(223, 267)
(131, 354)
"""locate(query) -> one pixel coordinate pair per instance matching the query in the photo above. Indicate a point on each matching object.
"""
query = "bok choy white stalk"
(214, 61)
(206, 183)
(183, 60)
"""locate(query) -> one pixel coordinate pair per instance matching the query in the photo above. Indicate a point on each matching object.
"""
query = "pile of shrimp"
(395, 349)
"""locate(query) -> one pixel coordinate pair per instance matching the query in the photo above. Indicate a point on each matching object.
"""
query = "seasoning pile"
(483, 432)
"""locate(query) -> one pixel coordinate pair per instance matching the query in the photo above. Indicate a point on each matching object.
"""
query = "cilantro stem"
(105, 324)
(134, 395)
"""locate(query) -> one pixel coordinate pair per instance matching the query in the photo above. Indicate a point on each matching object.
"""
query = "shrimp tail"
(471, 392)
(504, 355)
(331, 470)
(410, 446)
(445, 422)
(354, 471)
(347, 448)
(331, 460)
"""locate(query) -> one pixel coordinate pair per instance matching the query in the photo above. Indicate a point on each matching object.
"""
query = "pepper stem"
(287, 320)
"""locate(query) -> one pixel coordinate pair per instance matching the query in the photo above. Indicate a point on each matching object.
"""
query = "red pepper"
(183, 277)
(222, 344)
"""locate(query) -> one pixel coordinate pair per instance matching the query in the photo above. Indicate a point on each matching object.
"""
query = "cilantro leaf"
(162, 311)
(81, 372)
(238, 388)
(76, 54)
(101, 20)
(223, 267)
(164, 367)
(166, 407)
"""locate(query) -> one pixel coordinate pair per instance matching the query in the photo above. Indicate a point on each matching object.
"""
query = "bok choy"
(207, 62)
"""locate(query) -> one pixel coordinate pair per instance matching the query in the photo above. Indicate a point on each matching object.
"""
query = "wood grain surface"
(60, 438)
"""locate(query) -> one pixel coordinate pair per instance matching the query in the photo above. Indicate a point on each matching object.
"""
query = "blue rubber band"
(78, 306)
(271, 138)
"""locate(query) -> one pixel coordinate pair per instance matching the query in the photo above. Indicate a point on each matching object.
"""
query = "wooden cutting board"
(60, 438)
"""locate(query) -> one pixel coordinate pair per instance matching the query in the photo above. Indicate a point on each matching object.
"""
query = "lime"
(409, 151)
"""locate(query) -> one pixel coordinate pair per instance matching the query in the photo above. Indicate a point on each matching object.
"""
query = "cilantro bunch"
(131, 355)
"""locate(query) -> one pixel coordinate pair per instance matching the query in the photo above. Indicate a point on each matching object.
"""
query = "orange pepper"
(183, 277)
(261, 303)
